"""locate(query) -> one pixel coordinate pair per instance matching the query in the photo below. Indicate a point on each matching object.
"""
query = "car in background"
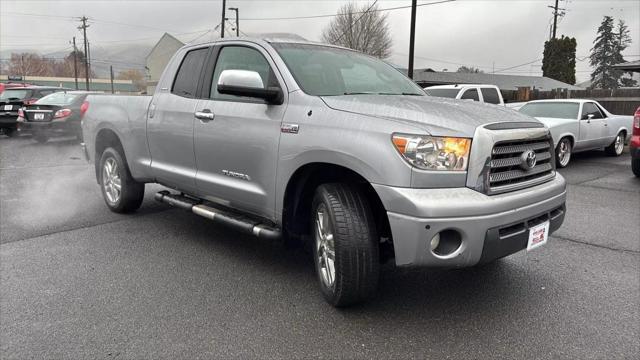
(515, 105)
(482, 93)
(57, 114)
(13, 99)
(580, 125)
(634, 144)
(10, 85)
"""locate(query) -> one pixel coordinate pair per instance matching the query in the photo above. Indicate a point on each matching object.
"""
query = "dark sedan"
(58, 114)
(12, 99)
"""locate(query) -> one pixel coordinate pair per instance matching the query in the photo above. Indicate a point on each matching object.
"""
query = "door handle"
(204, 115)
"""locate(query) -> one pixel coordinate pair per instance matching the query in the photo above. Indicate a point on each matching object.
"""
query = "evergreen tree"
(559, 60)
(606, 52)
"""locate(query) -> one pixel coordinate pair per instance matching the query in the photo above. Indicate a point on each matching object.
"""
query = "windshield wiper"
(404, 93)
(360, 93)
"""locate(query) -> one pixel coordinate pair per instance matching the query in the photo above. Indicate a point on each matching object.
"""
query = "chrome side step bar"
(244, 224)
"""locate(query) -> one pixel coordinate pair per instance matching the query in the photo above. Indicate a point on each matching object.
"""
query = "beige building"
(159, 57)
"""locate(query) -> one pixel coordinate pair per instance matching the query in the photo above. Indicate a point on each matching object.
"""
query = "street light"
(237, 21)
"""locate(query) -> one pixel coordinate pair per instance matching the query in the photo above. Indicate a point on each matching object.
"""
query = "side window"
(186, 81)
(241, 58)
(490, 95)
(590, 108)
(470, 94)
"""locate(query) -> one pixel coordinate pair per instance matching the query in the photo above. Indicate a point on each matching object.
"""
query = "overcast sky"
(491, 35)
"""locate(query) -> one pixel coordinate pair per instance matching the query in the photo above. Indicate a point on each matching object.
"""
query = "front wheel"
(563, 153)
(616, 147)
(346, 251)
(121, 192)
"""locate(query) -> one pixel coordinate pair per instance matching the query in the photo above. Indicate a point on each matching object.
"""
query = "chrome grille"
(506, 172)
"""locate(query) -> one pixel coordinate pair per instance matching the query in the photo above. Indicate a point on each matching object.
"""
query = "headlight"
(434, 153)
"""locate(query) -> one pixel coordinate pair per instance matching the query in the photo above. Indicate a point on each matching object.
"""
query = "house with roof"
(428, 77)
(159, 57)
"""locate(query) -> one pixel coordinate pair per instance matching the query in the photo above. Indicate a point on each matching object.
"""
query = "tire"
(10, 132)
(617, 146)
(563, 152)
(635, 166)
(129, 197)
(341, 218)
(41, 138)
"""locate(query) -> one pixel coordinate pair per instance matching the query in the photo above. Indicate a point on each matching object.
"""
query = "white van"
(482, 93)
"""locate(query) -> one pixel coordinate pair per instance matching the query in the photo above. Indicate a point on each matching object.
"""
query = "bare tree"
(360, 28)
(30, 64)
(469, 70)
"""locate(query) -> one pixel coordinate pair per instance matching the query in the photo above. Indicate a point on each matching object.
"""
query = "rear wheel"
(635, 166)
(346, 251)
(121, 192)
(617, 146)
(563, 152)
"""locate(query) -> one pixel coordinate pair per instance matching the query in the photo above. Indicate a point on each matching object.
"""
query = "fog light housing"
(446, 243)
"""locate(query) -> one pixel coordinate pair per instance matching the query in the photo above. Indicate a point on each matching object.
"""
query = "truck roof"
(271, 40)
(459, 86)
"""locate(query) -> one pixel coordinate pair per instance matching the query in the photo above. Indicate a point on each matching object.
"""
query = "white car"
(481, 93)
(579, 125)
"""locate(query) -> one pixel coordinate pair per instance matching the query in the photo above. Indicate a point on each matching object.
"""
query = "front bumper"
(490, 227)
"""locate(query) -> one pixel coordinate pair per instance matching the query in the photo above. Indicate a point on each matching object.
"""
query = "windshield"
(58, 98)
(448, 93)
(15, 94)
(557, 110)
(328, 71)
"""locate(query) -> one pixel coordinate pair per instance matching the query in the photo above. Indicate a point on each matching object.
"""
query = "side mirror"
(587, 117)
(249, 84)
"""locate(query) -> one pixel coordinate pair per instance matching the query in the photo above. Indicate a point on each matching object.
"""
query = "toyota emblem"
(528, 160)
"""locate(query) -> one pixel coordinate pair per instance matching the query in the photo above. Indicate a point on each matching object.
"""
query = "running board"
(241, 223)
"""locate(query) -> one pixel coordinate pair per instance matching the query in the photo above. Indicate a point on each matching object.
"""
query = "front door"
(170, 125)
(593, 129)
(236, 147)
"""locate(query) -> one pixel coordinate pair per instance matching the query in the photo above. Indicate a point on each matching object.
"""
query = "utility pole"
(412, 37)
(556, 12)
(75, 61)
(89, 60)
(111, 71)
(237, 20)
(224, 7)
(84, 27)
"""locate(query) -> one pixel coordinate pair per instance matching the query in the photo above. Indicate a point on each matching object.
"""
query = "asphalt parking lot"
(77, 281)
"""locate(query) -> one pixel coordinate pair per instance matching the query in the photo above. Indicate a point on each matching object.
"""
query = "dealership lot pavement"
(78, 281)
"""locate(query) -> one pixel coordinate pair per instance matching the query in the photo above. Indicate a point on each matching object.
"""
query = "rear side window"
(490, 95)
(471, 94)
(186, 81)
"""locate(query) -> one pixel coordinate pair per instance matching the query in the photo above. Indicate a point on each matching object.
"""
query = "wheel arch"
(300, 190)
(105, 138)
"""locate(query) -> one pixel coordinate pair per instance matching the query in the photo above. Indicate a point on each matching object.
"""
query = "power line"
(334, 15)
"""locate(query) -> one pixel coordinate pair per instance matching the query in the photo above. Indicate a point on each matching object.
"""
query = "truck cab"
(489, 94)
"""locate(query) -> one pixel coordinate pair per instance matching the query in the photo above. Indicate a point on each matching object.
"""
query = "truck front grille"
(509, 171)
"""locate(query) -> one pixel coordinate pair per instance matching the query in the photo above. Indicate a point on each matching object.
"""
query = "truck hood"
(438, 116)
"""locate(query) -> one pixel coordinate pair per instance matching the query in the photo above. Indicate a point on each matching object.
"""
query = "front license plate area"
(538, 235)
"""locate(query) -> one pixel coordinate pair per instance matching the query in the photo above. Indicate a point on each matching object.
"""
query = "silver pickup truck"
(324, 145)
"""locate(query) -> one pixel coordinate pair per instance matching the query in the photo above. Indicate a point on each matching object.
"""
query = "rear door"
(170, 125)
(237, 150)
(593, 126)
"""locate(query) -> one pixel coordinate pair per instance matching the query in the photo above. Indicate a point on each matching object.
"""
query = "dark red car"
(634, 144)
